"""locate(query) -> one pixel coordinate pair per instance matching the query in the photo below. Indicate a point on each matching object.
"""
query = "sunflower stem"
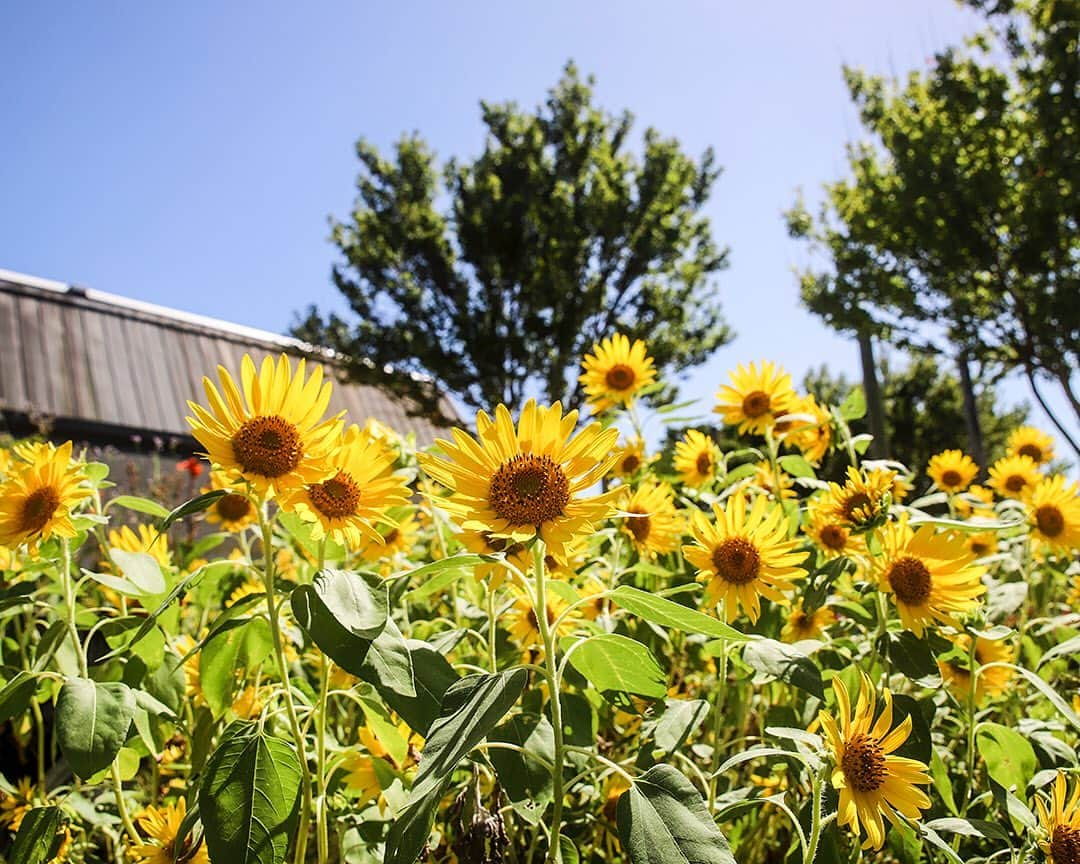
(973, 683)
(554, 854)
(817, 792)
(718, 711)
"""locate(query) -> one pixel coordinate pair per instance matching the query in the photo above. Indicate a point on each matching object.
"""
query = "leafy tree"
(489, 278)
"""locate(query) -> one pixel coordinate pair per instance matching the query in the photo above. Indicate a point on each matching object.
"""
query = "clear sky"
(190, 154)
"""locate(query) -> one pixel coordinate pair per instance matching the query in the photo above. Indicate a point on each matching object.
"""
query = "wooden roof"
(92, 360)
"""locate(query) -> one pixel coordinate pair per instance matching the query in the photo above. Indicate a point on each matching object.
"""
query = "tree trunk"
(971, 413)
(1046, 408)
(875, 408)
(1066, 386)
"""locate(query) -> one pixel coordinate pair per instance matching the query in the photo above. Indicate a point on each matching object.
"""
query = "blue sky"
(190, 154)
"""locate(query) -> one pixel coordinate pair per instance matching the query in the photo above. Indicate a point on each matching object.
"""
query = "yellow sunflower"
(696, 457)
(13, 807)
(161, 825)
(272, 435)
(659, 527)
(1014, 476)
(524, 627)
(743, 557)
(807, 625)
(358, 489)
(630, 459)
(233, 511)
(147, 540)
(755, 397)
(593, 591)
(485, 543)
(952, 471)
(615, 372)
(930, 576)
(1031, 442)
(397, 539)
(1055, 513)
(975, 498)
(182, 646)
(862, 500)
(991, 682)
(813, 439)
(830, 534)
(1060, 823)
(982, 543)
(527, 482)
(871, 780)
(37, 498)
(763, 478)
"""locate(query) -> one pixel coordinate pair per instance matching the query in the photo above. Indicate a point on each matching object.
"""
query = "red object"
(192, 466)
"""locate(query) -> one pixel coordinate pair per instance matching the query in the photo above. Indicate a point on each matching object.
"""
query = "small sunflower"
(13, 807)
(524, 627)
(527, 482)
(1031, 442)
(182, 646)
(861, 501)
(952, 471)
(991, 682)
(485, 543)
(147, 540)
(659, 527)
(813, 439)
(273, 436)
(1055, 513)
(234, 511)
(831, 535)
(631, 459)
(976, 497)
(743, 557)
(398, 539)
(615, 372)
(1014, 476)
(871, 780)
(358, 489)
(696, 458)
(755, 397)
(593, 591)
(807, 625)
(777, 485)
(930, 576)
(1060, 823)
(38, 497)
(982, 543)
(161, 825)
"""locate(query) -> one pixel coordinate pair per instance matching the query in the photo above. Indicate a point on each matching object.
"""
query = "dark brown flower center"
(910, 581)
(1015, 483)
(1050, 519)
(1065, 845)
(1032, 450)
(736, 561)
(834, 537)
(704, 463)
(501, 544)
(979, 547)
(534, 622)
(856, 507)
(233, 507)
(639, 526)
(951, 478)
(802, 622)
(38, 509)
(391, 536)
(267, 446)
(337, 497)
(756, 403)
(529, 490)
(620, 377)
(630, 463)
(863, 763)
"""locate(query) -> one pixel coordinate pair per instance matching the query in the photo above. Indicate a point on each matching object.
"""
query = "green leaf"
(241, 644)
(139, 505)
(92, 722)
(249, 797)
(18, 594)
(911, 655)
(524, 778)
(787, 663)
(1010, 759)
(388, 664)
(454, 562)
(15, 695)
(37, 840)
(854, 405)
(796, 466)
(668, 613)
(342, 614)
(190, 508)
(432, 677)
(412, 826)
(939, 773)
(140, 569)
(663, 820)
(970, 828)
(1068, 648)
(681, 717)
(615, 664)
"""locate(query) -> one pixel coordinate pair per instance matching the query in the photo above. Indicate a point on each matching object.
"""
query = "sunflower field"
(538, 642)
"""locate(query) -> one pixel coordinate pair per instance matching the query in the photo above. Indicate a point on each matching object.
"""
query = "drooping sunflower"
(358, 489)
(147, 540)
(807, 625)
(615, 372)
(831, 535)
(234, 511)
(755, 397)
(991, 682)
(696, 458)
(37, 497)
(812, 438)
(161, 825)
(272, 435)
(743, 557)
(527, 482)
(659, 527)
(931, 577)
(631, 458)
(872, 781)
(1031, 442)
(1060, 823)
(862, 500)
(485, 543)
(952, 471)
(1055, 513)
(1014, 476)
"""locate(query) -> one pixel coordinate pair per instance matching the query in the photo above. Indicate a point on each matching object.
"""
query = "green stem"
(718, 713)
(554, 855)
(973, 672)
(815, 818)
(322, 831)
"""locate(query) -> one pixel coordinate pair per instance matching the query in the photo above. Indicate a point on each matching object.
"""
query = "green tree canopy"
(489, 278)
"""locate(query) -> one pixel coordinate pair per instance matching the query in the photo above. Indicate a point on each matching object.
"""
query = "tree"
(555, 236)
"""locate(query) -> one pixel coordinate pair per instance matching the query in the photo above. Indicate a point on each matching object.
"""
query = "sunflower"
(234, 511)
(862, 501)
(615, 372)
(1013, 476)
(1061, 823)
(183, 646)
(14, 806)
(161, 825)
(529, 482)
(764, 479)
(930, 576)
(807, 625)
(485, 543)
(593, 591)
(871, 780)
(755, 397)
(147, 541)
(830, 534)
(952, 471)
(977, 497)
(524, 627)
(1031, 442)
(982, 543)
(358, 489)
(743, 557)
(396, 539)
(813, 439)
(273, 436)
(696, 457)
(1055, 513)
(659, 527)
(991, 682)
(37, 498)
(630, 459)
